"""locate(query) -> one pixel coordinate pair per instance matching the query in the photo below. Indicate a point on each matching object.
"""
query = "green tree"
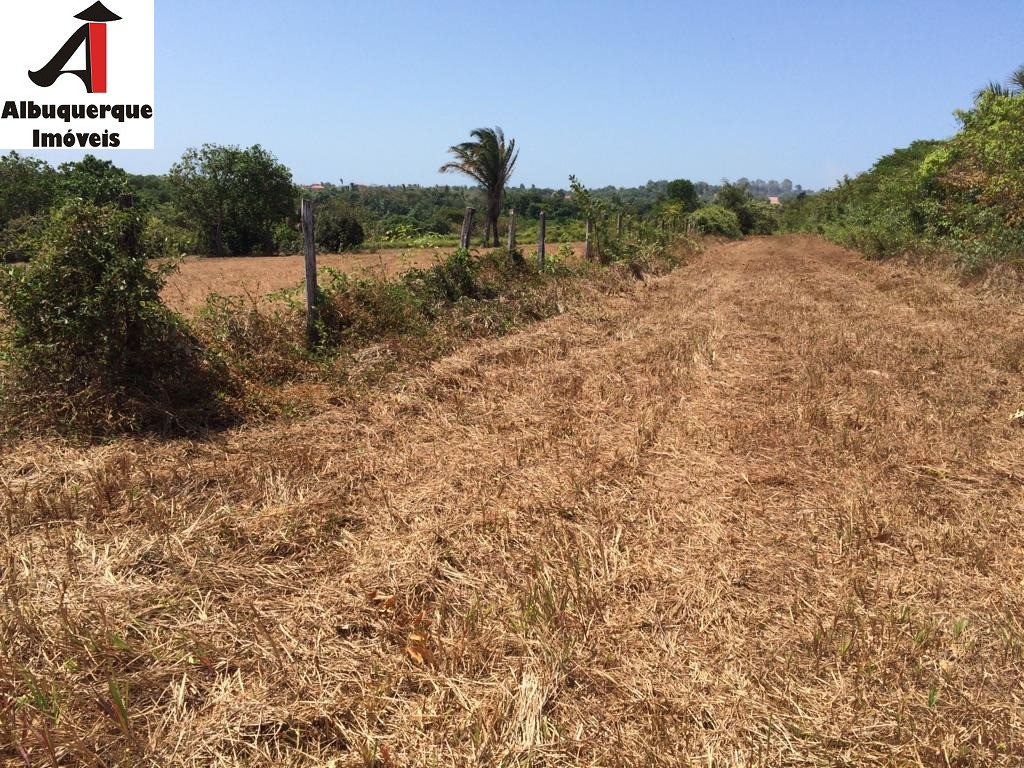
(235, 196)
(337, 229)
(736, 197)
(27, 187)
(682, 191)
(755, 217)
(489, 161)
(96, 181)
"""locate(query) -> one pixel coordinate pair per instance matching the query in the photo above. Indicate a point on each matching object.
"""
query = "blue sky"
(614, 92)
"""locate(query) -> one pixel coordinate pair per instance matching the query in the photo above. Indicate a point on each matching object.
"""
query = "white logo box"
(65, 114)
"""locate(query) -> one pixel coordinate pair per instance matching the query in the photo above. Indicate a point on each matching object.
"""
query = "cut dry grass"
(763, 511)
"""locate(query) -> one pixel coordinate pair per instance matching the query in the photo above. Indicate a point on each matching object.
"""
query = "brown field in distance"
(763, 511)
(256, 276)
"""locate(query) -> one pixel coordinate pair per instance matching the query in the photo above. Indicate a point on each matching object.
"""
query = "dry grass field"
(256, 276)
(763, 511)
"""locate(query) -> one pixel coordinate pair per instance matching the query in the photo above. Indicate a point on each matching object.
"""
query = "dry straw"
(764, 511)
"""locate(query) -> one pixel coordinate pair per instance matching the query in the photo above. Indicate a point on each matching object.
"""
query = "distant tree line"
(228, 201)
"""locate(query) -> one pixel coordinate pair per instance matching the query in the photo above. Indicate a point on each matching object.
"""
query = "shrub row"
(964, 195)
(87, 345)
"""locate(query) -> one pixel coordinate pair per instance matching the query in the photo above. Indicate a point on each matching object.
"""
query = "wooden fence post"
(587, 245)
(308, 233)
(467, 228)
(511, 231)
(542, 234)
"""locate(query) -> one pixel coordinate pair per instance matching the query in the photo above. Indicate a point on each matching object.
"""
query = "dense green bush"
(22, 238)
(28, 187)
(881, 212)
(716, 220)
(233, 197)
(763, 218)
(165, 236)
(96, 181)
(87, 337)
(755, 217)
(337, 230)
(361, 308)
(446, 282)
(288, 238)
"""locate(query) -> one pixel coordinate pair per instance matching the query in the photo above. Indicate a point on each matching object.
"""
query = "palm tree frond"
(993, 89)
(1016, 81)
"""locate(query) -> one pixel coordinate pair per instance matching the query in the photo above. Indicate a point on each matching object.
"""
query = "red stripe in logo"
(98, 57)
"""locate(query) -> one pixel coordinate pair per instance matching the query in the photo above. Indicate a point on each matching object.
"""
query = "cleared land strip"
(763, 511)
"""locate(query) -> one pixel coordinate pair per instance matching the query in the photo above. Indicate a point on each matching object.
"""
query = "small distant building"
(774, 201)
(317, 187)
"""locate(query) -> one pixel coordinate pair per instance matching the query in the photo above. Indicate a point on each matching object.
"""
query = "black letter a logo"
(94, 36)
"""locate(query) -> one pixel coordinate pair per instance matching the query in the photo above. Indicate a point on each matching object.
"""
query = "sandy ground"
(763, 511)
(256, 276)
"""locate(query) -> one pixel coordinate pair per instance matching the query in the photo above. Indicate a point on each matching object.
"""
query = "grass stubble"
(761, 511)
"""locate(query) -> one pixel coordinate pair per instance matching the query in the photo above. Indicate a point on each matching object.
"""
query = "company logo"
(54, 48)
(93, 36)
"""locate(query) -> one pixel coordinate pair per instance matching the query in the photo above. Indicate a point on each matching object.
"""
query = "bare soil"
(763, 511)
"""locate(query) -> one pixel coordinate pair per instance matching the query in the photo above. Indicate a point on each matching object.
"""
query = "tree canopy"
(235, 196)
(684, 192)
(27, 187)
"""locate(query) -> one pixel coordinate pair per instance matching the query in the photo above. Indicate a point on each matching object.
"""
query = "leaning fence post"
(587, 245)
(467, 228)
(541, 235)
(511, 231)
(308, 233)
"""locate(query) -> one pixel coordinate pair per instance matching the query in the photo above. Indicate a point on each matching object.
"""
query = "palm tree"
(490, 162)
(1014, 86)
(1017, 80)
(992, 89)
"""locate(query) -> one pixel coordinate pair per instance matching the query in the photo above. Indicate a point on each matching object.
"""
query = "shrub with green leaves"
(446, 282)
(88, 339)
(28, 187)
(288, 238)
(353, 308)
(22, 238)
(716, 220)
(755, 217)
(337, 230)
(166, 236)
